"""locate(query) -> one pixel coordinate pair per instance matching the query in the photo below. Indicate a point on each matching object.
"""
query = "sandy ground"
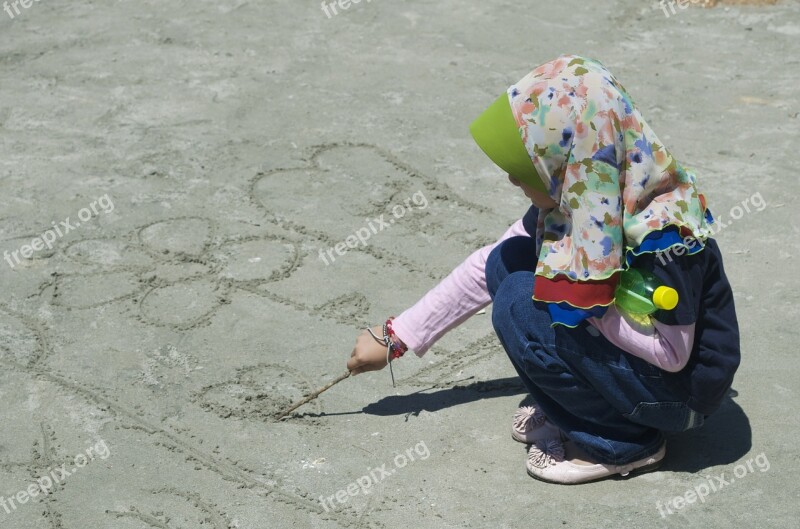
(224, 144)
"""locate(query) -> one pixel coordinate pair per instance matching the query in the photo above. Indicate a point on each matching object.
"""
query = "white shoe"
(560, 461)
(530, 424)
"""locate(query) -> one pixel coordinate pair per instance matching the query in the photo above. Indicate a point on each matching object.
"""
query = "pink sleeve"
(665, 346)
(457, 297)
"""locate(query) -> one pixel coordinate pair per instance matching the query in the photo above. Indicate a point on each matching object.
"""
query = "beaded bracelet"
(396, 344)
(395, 348)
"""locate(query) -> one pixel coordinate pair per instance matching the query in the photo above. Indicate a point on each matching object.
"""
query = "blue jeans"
(612, 404)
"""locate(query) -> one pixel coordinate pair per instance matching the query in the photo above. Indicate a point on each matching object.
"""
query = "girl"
(606, 196)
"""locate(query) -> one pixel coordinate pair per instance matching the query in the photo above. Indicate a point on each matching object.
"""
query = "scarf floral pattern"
(617, 186)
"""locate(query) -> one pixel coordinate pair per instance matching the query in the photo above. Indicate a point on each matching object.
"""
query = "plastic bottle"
(640, 292)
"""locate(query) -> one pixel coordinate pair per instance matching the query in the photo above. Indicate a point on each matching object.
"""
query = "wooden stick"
(311, 396)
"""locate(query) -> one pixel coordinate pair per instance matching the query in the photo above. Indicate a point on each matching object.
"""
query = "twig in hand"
(311, 396)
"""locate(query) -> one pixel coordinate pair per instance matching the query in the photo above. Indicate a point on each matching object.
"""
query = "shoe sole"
(634, 472)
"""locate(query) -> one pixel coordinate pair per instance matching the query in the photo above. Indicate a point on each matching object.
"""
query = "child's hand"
(368, 354)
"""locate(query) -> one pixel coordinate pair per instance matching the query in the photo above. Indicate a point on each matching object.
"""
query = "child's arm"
(666, 346)
(669, 341)
(457, 297)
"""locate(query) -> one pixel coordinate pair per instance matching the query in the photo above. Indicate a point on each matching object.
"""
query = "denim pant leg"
(610, 403)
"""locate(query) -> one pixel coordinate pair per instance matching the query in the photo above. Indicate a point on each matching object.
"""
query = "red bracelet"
(396, 344)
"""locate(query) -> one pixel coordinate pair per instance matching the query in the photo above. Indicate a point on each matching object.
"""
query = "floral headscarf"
(619, 191)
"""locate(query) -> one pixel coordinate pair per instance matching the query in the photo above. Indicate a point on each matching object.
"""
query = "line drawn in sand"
(173, 442)
(178, 272)
(305, 207)
(44, 458)
(190, 511)
(256, 392)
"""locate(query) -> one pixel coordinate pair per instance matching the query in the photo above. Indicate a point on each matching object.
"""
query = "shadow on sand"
(724, 438)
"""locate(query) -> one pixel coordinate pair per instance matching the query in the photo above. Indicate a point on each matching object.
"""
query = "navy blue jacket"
(706, 299)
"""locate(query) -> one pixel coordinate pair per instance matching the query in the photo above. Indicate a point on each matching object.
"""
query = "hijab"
(619, 191)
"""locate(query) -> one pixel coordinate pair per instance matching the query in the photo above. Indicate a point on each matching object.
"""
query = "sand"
(225, 144)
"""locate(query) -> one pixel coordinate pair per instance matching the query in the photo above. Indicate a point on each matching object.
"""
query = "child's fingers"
(360, 360)
(353, 364)
(357, 365)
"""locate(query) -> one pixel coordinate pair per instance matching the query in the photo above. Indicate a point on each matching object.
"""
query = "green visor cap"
(496, 133)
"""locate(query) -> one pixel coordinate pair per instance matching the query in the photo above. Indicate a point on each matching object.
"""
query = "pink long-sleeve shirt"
(463, 293)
